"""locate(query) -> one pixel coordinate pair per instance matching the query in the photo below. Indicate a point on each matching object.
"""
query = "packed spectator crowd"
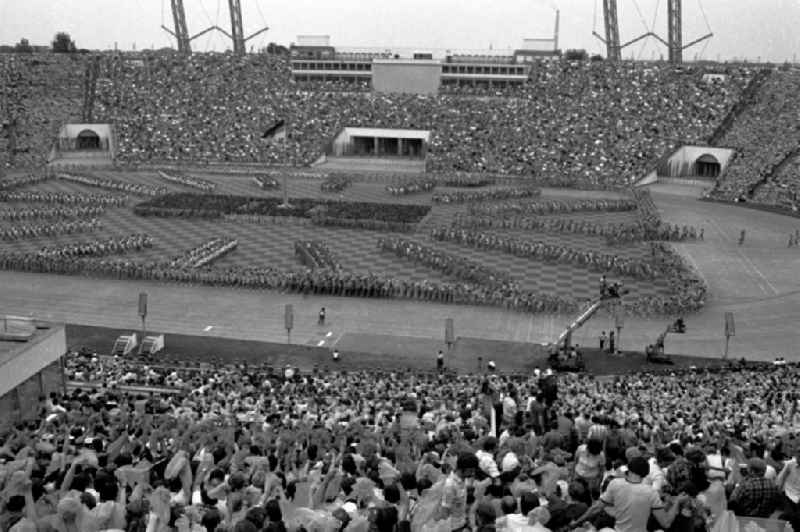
(42, 92)
(593, 123)
(242, 448)
(763, 135)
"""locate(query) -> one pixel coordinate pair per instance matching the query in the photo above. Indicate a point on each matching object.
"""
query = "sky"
(743, 29)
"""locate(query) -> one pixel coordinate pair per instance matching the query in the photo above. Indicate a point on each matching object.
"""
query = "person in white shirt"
(486, 462)
(789, 483)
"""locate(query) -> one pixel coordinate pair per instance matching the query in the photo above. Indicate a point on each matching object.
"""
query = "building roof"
(388, 133)
(21, 360)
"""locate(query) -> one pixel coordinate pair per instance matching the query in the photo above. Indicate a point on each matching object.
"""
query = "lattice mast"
(675, 31)
(674, 42)
(613, 50)
(611, 39)
(181, 30)
(237, 28)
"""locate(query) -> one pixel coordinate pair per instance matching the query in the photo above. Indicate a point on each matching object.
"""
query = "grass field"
(272, 244)
(756, 281)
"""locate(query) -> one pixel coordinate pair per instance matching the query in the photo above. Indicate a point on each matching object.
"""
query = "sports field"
(273, 244)
(757, 281)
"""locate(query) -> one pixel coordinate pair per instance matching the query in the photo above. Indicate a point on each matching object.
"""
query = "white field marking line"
(337, 339)
(754, 268)
(208, 328)
(748, 264)
(320, 343)
(758, 272)
(688, 255)
(330, 333)
(530, 330)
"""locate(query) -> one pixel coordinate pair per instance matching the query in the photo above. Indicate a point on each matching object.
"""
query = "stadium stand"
(43, 92)
(765, 136)
(586, 122)
(129, 444)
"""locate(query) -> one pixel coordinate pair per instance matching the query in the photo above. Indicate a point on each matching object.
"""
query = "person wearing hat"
(755, 496)
(631, 502)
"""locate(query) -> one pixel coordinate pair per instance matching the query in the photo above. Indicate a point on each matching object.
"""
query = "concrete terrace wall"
(405, 76)
(682, 162)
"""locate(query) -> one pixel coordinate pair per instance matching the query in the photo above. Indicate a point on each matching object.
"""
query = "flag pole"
(285, 203)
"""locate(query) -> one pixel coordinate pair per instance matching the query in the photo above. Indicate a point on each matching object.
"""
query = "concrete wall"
(343, 144)
(24, 360)
(649, 179)
(682, 162)
(71, 131)
(22, 402)
(408, 77)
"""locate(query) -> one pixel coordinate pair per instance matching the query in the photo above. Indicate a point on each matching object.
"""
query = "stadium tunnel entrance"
(707, 166)
(91, 144)
(690, 163)
(88, 140)
(377, 149)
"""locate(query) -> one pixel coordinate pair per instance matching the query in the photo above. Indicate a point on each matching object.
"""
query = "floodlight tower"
(611, 40)
(674, 42)
(613, 49)
(675, 31)
(237, 28)
(181, 31)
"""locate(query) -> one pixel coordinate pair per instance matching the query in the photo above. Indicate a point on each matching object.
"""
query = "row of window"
(446, 82)
(506, 70)
(331, 65)
(496, 70)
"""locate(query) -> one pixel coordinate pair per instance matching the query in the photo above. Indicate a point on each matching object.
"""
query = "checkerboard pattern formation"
(272, 244)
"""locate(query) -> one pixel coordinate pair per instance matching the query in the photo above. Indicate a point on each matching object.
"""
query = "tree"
(63, 43)
(277, 49)
(23, 47)
(576, 55)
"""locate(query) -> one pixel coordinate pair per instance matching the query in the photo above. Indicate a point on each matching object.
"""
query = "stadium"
(312, 287)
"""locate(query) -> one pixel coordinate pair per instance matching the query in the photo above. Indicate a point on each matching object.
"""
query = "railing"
(746, 99)
(776, 169)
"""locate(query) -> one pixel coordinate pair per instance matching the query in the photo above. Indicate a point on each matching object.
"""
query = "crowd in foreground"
(243, 448)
